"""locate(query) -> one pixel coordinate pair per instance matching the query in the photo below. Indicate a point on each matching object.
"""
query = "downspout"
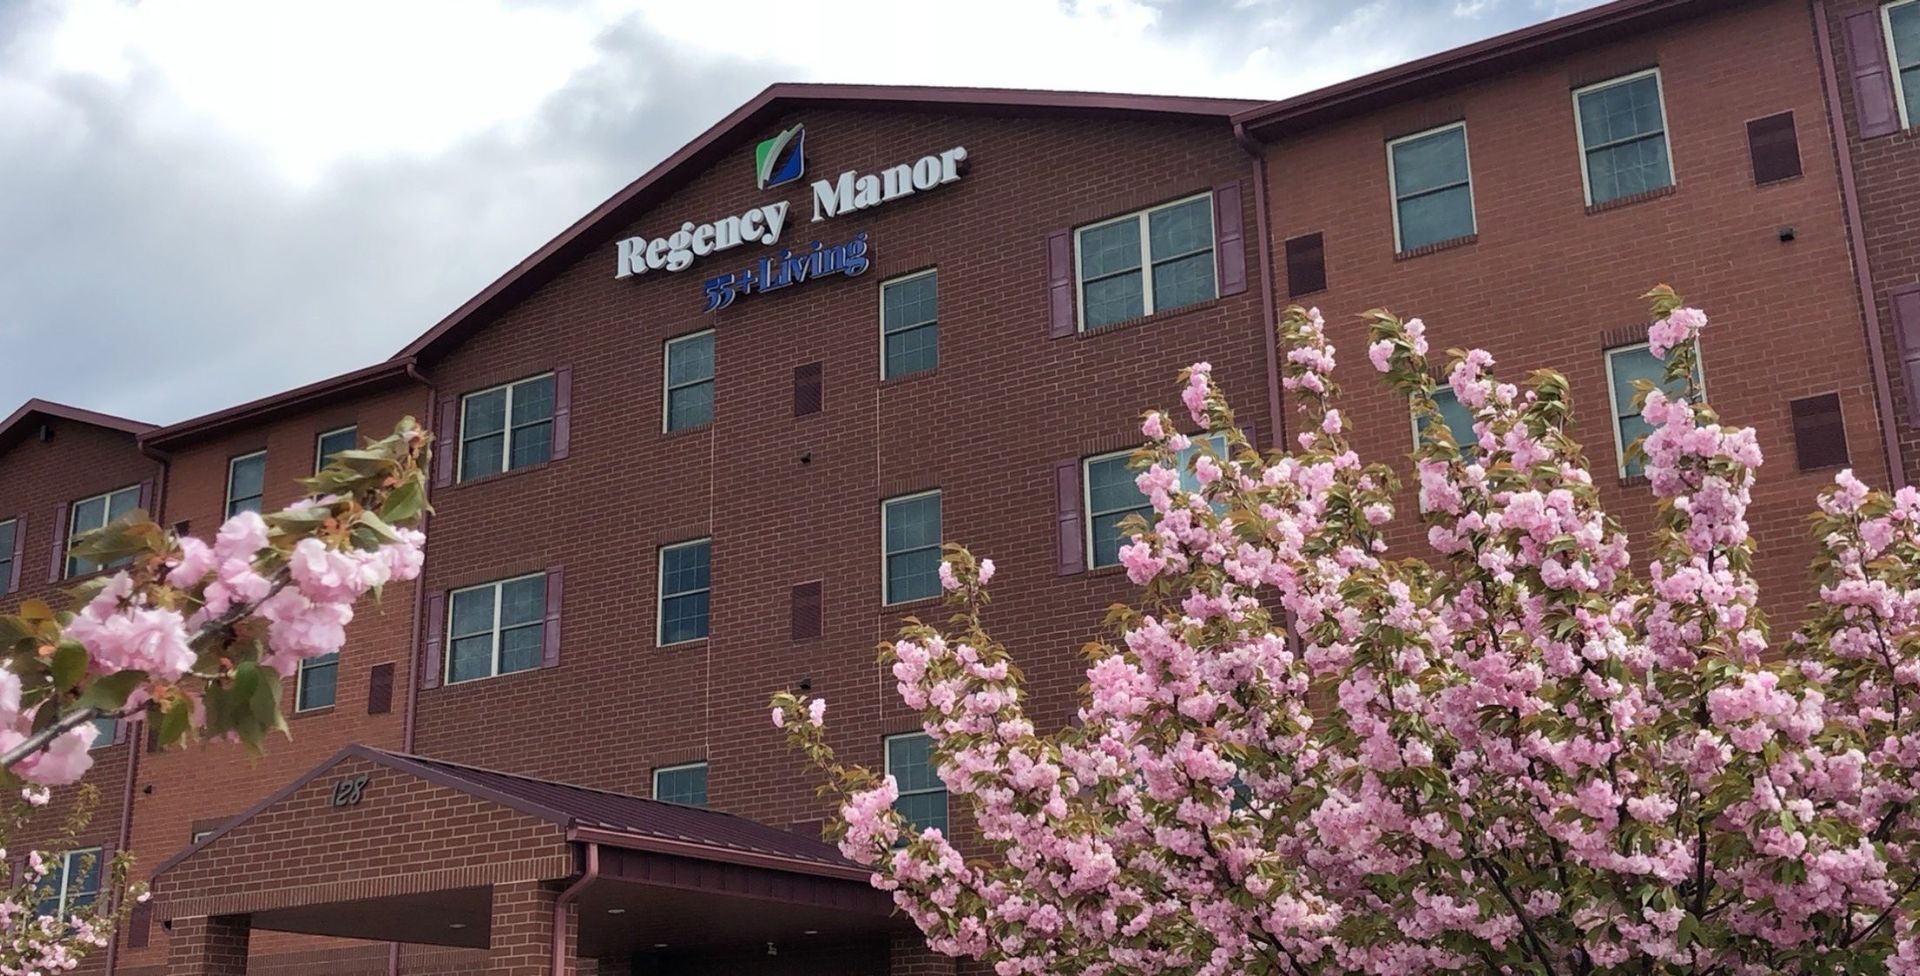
(1856, 233)
(568, 897)
(136, 736)
(409, 705)
(1263, 222)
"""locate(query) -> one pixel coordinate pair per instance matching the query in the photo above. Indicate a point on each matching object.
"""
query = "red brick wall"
(36, 477)
(1005, 403)
(1546, 281)
(1886, 171)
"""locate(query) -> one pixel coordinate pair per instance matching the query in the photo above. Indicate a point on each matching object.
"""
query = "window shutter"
(809, 393)
(1229, 246)
(1819, 436)
(379, 689)
(140, 925)
(59, 570)
(19, 550)
(1873, 100)
(1060, 284)
(562, 411)
(1073, 547)
(806, 607)
(550, 654)
(1774, 147)
(430, 655)
(1252, 434)
(1906, 328)
(1306, 264)
(120, 729)
(443, 443)
(146, 497)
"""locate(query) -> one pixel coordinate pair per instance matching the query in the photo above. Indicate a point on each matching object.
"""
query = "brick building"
(704, 444)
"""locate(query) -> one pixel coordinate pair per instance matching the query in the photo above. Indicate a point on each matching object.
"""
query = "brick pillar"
(205, 945)
(522, 938)
(909, 956)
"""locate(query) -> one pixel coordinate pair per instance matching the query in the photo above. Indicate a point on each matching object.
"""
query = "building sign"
(779, 161)
(775, 272)
(347, 792)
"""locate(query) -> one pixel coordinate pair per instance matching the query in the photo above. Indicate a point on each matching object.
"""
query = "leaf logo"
(781, 159)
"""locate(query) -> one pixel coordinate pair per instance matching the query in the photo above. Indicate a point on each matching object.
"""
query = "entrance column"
(522, 937)
(208, 945)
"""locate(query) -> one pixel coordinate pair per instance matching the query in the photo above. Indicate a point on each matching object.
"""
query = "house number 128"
(348, 792)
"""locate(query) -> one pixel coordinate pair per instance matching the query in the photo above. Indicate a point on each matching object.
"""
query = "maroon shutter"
(1306, 264)
(1252, 434)
(809, 383)
(550, 653)
(431, 667)
(19, 550)
(120, 729)
(1819, 436)
(146, 497)
(805, 610)
(1906, 328)
(1774, 148)
(379, 689)
(562, 411)
(140, 925)
(1873, 100)
(443, 443)
(1229, 246)
(58, 571)
(1067, 501)
(1060, 283)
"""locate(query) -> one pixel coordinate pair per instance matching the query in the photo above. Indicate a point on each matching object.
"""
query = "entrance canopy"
(379, 845)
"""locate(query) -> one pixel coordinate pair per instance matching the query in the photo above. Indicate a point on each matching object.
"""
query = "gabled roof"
(315, 394)
(601, 816)
(745, 122)
(21, 421)
(1462, 65)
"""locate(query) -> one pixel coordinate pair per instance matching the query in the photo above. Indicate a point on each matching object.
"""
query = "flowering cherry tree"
(196, 635)
(1518, 750)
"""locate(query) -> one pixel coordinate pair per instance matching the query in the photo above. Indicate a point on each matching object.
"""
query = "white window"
(73, 884)
(1432, 187)
(685, 785)
(1112, 495)
(1625, 366)
(923, 797)
(689, 382)
(909, 325)
(1458, 418)
(506, 427)
(496, 628)
(9, 537)
(685, 578)
(333, 442)
(910, 532)
(317, 682)
(94, 513)
(246, 483)
(1622, 129)
(1145, 262)
(1903, 40)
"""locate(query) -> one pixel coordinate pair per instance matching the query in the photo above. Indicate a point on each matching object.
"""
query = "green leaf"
(405, 503)
(109, 692)
(69, 663)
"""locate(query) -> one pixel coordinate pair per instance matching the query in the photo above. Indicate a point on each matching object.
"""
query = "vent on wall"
(806, 610)
(380, 689)
(1306, 264)
(1775, 148)
(1819, 436)
(808, 389)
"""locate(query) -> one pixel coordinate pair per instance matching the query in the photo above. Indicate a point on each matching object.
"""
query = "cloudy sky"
(206, 201)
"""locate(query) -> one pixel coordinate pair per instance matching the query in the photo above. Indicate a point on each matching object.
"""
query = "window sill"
(920, 602)
(1117, 569)
(312, 712)
(678, 645)
(471, 682)
(690, 431)
(1632, 198)
(499, 475)
(1437, 246)
(909, 377)
(1138, 320)
(1633, 481)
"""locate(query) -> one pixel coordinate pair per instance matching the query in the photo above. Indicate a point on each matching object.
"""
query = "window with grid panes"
(1151, 261)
